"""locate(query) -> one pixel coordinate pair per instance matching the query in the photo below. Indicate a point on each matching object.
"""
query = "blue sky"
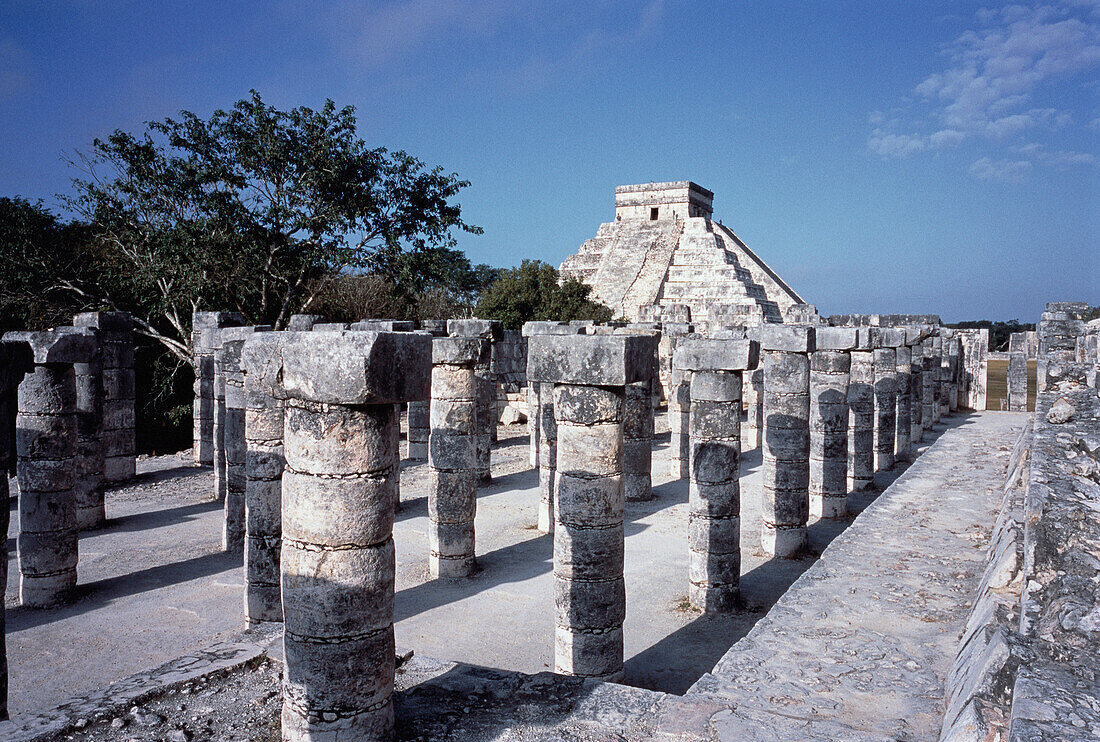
(882, 156)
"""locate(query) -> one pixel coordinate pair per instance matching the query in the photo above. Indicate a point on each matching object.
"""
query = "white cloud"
(894, 145)
(994, 74)
(1007, 171)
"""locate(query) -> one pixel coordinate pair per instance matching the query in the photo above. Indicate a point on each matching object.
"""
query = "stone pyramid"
(663, 252)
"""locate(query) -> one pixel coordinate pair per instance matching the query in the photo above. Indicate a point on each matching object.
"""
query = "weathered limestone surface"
(116, 342)
(203, 349)
(904, 381)
(861, 414)
(1017, 372)
(664, 249)
(234, 449)
(786, 454)
(884, 360)
(46, 443)
(859, 647)
(830, 369)
(486, 416)
(452, 454)
(262, 361)
(589, 374)
(337, 558)
(91, 448)
(714, 493)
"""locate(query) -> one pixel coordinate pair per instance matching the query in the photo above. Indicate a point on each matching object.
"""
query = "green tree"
(254, 209)
(35, 248)
(534, 291)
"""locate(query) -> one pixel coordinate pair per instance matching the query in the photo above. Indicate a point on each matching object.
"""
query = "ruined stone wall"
(1026, 664)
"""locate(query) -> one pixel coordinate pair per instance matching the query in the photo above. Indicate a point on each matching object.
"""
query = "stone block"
(888, 337)
(460, 350)
(490, 329)
(837, 338)
(711, 354)
(64, 345)
(596, 360)
(357, 368)
(788, 338)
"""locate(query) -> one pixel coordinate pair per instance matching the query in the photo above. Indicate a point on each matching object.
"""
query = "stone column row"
(485, 418)
(229, 474)
(91, 445)
(202, 347)
(262, 362)
(1017, 372)
(337, 561)
(116, 348)
(830, 374)
(886, 341)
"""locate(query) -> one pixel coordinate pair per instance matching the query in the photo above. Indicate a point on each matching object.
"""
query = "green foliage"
(532, 291)
(35, 248)
(999, 332)
(254, 209)
(1090, 314)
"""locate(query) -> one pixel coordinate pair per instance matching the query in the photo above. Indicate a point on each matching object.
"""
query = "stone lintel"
(547, 328)
(231, 334)
(63, 345)
(330, 327)
(476, 328)
(789, 338)
(202, 320)
(837, 338)
(595, 360)
(104, 320)
(888, 337)
(717, 354)
(460, 351)
(384, 325)
(358, 368)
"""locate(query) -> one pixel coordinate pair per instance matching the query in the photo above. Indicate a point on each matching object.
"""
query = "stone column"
(1017, 372)
(544, 437)
(904, 380)
(714, 499)
(589, 374)
(487, 390)
(15, 360)
(452, 454)
(116, 342)
(954, 366)
(861, 414)
(228, 366)
(679, 423)
(753, 392)
(830, 370)
(533, 424)
(785, 499)
(262, 361)
(638, 442)
(46, 440)
(916, 387)
(928, 385)
(90, 445)
(885, 362)
(337, 558)
(203, 410)
(937, 378)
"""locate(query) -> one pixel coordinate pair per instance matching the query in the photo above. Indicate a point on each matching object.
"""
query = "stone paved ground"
(156, 586)
(860, 646)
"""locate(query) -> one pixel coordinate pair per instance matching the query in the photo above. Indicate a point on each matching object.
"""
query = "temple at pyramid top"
(664, 258)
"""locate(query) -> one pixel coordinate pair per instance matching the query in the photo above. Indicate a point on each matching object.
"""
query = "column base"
(262, 603)
(46, 591)
(451, 568)
(120, 468)
(860, 484)
(91, 517)
(418, 451)
(546, 517)
(597, 656)
(714, 598)
(637, 487)
(829, 507)
(884, 461)
(783, 542)
(376, 723)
